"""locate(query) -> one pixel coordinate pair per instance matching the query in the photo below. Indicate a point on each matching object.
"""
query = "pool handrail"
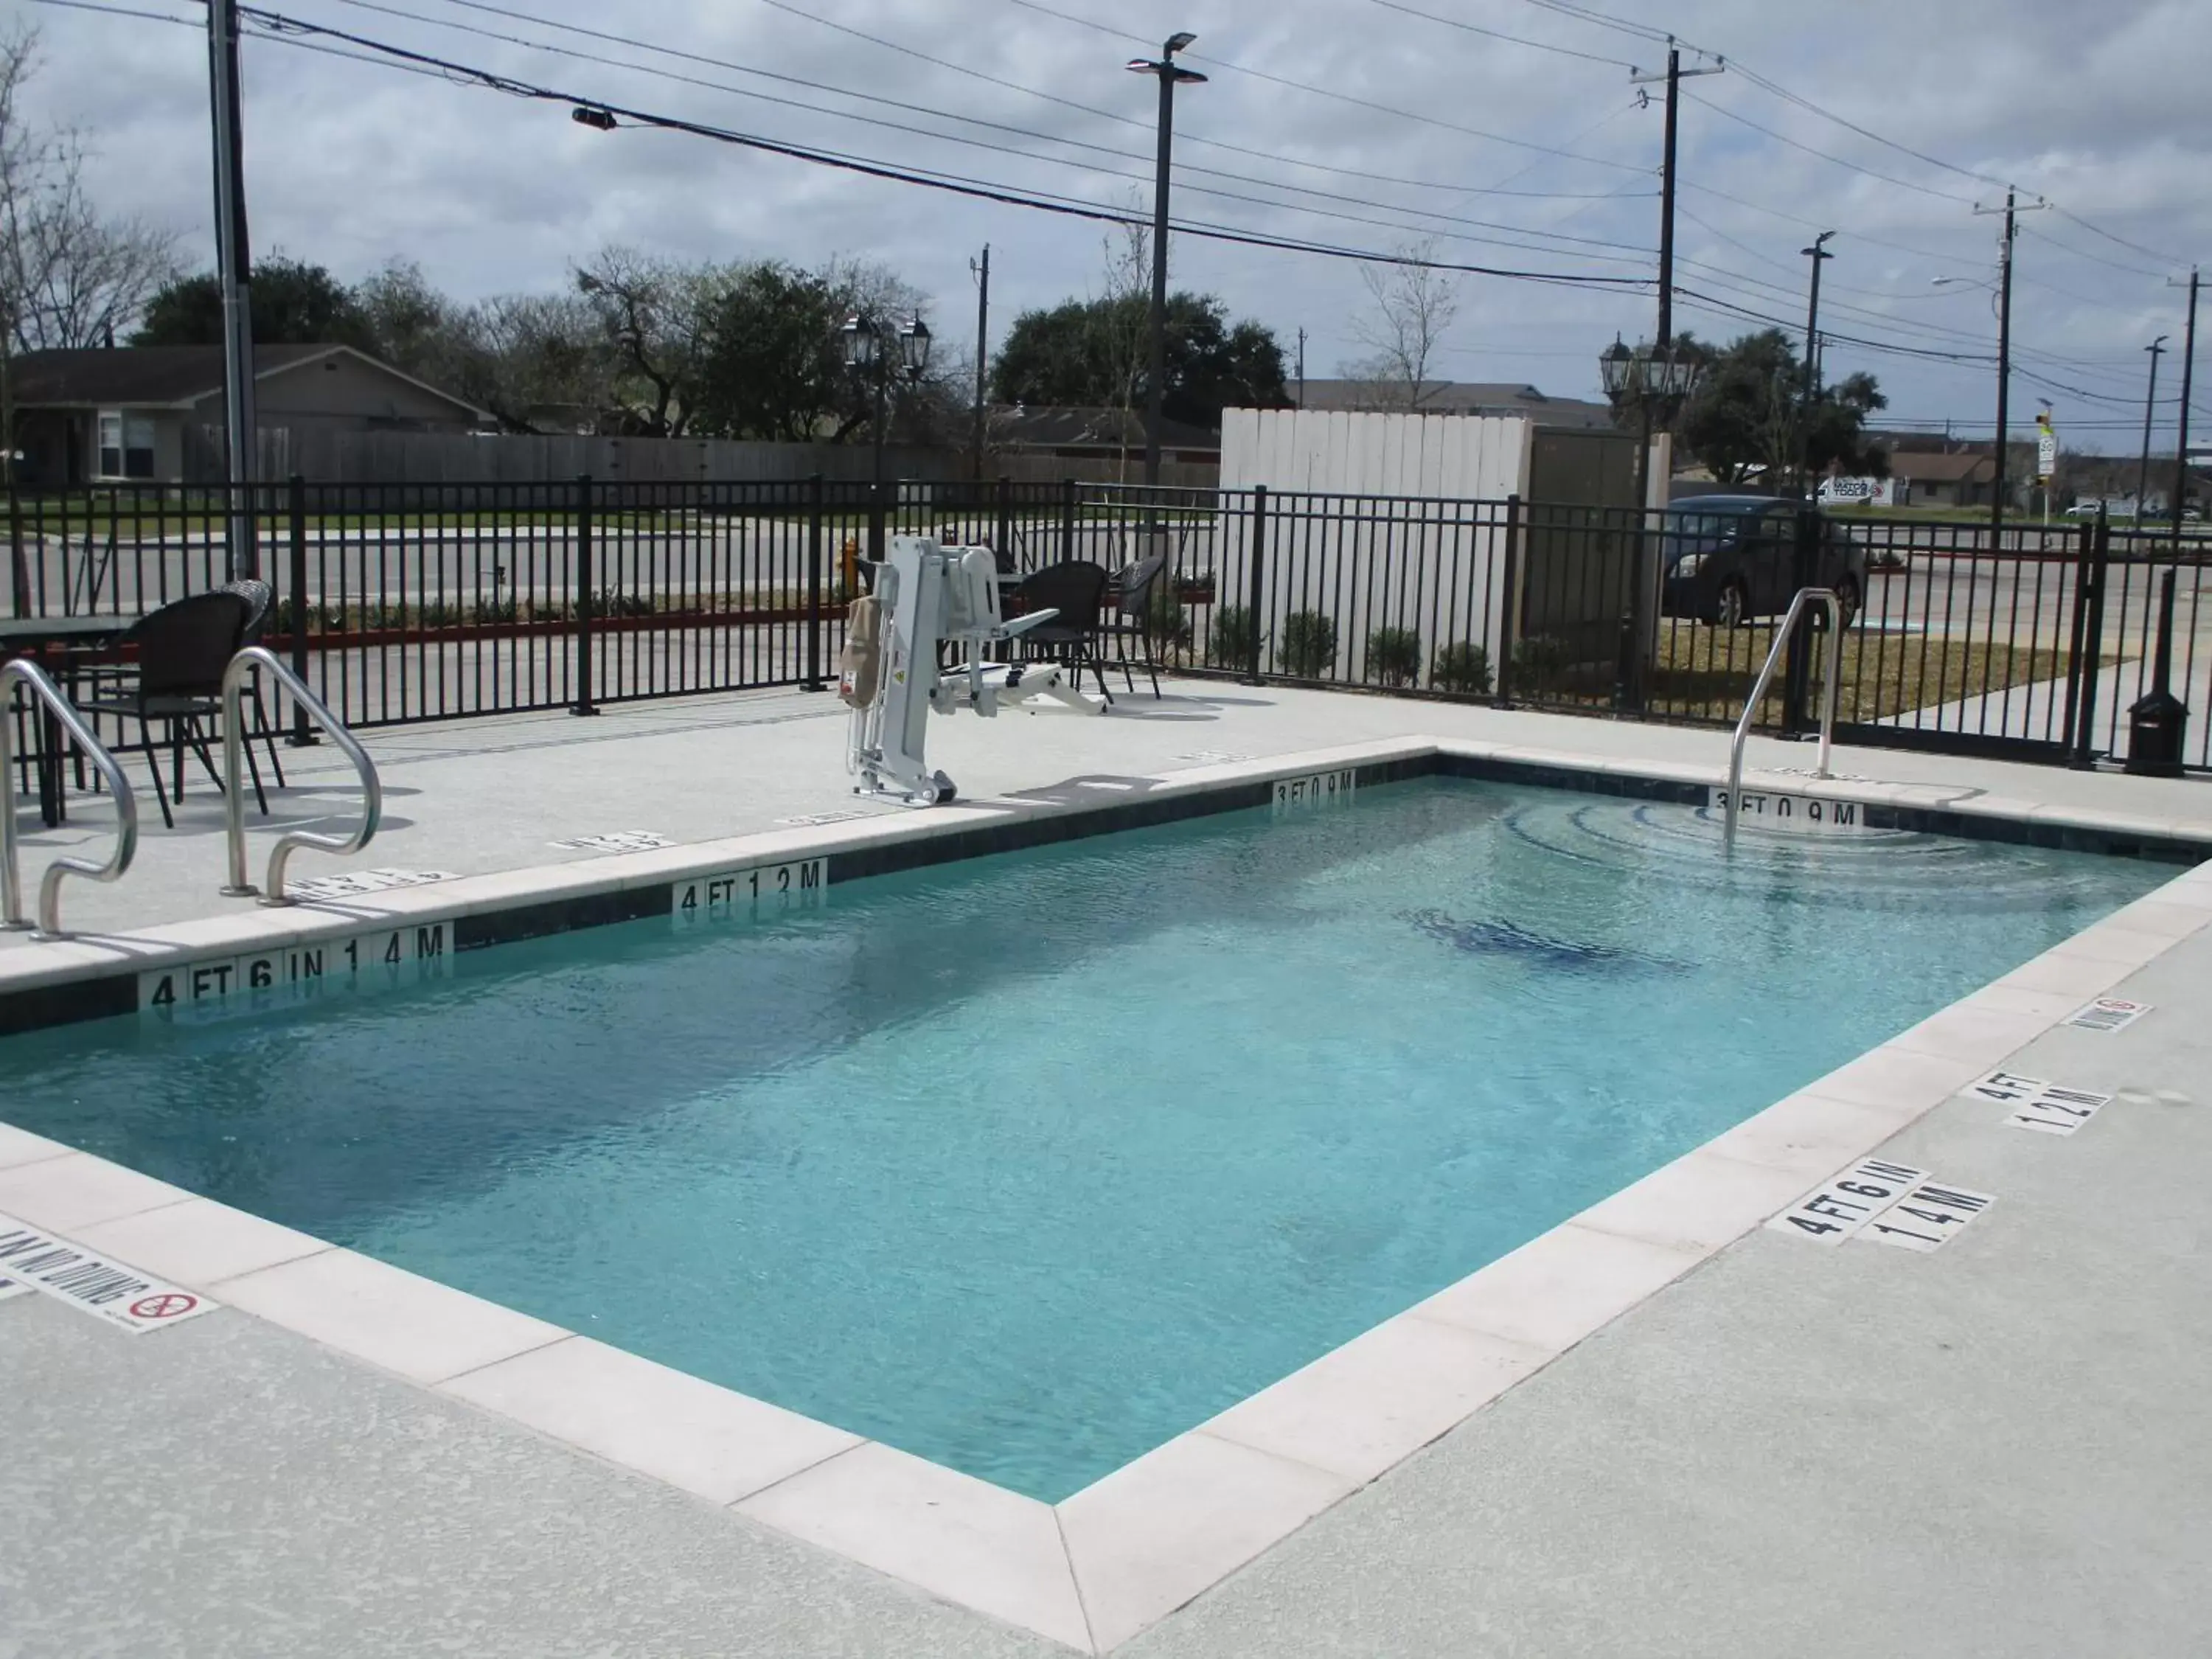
(235, 738)
(65, 715)
(1823, 596)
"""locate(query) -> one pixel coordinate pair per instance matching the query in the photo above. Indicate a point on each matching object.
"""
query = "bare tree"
(67, 276)
(1125, 320)
(1412, 305)
(659, 316)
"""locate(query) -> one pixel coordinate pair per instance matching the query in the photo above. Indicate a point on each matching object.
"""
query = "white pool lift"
(924, 597)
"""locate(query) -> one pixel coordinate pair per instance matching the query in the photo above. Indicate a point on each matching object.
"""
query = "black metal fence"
(411, 602)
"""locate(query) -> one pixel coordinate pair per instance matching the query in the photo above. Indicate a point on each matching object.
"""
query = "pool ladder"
(235, 739)
(46, 695)
(1825, 596)
(63, 713)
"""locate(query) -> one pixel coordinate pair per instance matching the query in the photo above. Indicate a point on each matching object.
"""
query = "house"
(155, 413)
(1932, 479)
(1457, 398)
(1080, 434)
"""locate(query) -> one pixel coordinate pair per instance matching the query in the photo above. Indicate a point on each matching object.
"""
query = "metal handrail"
(1825, 596)
(233, 799)
(126, 806)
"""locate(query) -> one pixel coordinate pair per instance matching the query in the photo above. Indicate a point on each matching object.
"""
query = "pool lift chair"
(925, 597)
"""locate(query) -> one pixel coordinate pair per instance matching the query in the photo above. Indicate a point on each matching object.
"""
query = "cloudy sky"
(1354, 122)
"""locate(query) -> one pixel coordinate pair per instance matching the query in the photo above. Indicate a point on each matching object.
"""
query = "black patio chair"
(261, 599)
(1077, 590)
(1139, 584)
(183, 649)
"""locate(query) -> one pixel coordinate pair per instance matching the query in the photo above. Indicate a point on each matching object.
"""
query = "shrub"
(1309, 645)
(1166, 624)
(1539, 660)
(1229, 644)
(1463, 668)
(613, 602)
(1394, 656)
(495, 610)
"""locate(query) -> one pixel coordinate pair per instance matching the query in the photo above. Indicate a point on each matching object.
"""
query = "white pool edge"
(1111, 1560)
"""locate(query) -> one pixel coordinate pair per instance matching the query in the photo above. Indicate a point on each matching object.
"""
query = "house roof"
(1021, 426)
(1462, 397)
(1911, 465)
(167, 377)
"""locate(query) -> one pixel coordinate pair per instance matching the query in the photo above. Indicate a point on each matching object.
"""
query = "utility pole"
(2188, 391)
(983, 345)
(1168, 72)
(233, 275)
(2156, 348)
(1818, 254)
(2011, 209)
(1302, 368)
(1643, 600)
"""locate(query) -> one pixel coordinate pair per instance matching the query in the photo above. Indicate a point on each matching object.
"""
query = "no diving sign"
(88, 1282)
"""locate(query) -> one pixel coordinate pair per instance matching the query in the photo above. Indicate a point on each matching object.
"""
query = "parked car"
(2084, 509)
(1730, 558)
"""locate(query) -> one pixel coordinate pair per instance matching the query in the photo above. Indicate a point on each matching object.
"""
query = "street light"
(1657, 382)
(1168, 73)
(871, 351)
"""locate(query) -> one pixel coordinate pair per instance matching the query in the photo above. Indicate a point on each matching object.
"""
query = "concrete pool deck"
(297, 1499)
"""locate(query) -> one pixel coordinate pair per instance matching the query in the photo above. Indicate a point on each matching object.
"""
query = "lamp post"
(1657, 382)
(871, 351)
(1169, 73)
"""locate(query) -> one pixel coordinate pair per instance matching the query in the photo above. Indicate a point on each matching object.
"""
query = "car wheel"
(1733, 605)
(1847, 599)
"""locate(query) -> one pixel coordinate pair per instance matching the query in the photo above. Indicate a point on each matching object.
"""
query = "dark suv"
(1730, 558)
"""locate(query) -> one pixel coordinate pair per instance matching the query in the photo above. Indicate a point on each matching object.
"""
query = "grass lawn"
(1706, 672)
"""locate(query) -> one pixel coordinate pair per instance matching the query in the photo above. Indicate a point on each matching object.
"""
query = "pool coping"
(1108, 1562)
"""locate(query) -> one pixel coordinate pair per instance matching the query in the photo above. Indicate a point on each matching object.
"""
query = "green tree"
(1750, 417)
(293, 303)
(1075, 354)
(772, 364)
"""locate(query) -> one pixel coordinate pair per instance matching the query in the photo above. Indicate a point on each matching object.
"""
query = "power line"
(953, 115)
(278, 28)
(1766, 84)
(1331, 93)
(1539, 246)
(1854, 166)
(1500, 34)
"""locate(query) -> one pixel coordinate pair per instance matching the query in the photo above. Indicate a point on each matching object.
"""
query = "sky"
(1510, 134)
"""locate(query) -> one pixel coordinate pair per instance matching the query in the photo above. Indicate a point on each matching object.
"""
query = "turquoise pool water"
(1027, 1164)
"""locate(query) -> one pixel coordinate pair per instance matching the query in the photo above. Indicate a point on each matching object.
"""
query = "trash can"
(2156, 722)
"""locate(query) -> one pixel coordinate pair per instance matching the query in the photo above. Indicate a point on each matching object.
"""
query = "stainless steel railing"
(1823, 596)
(234, 738)
(44, 691)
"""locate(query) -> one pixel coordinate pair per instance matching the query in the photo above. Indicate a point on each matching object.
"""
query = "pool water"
(1028, 1163)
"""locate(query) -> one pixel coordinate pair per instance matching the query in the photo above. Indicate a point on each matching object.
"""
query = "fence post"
(1798, 667)
(303, 736)
(2093, 643)
(876, 526)
(586, 598)
(814, 583)
(1002, 536)
(20, 578)
(1066, 520)
(1508, 618)
(2073, 641)
(1254, 637)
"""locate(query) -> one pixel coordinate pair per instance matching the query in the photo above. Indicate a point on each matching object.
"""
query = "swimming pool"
(1027, 1164)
